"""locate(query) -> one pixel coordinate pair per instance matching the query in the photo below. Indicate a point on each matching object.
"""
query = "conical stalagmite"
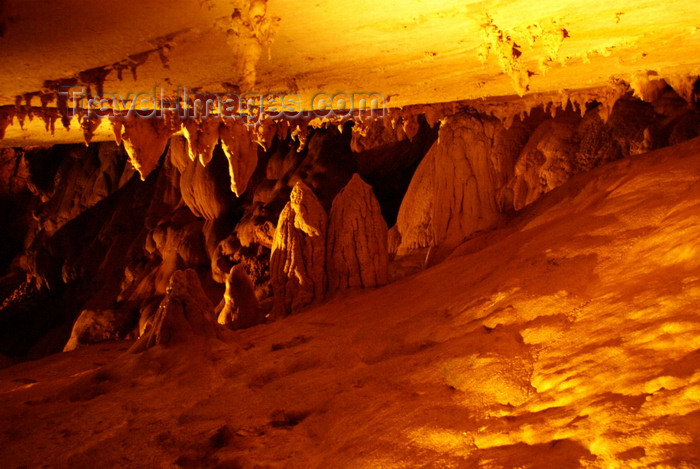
(452, 194)
(297, 264)
(240, 307)
(357, 254)
(184, 314)
(241, 151)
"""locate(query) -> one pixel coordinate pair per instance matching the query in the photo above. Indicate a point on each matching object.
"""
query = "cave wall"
(272, 225)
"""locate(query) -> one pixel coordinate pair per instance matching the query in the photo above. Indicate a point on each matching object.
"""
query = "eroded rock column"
(453, 192)
(298, 258)
(239, 308)
(184, 313)
(357, 254)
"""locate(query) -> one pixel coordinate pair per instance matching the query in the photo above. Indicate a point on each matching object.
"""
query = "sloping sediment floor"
(568, 338)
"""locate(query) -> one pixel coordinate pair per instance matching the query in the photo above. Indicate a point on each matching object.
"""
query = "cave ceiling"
(411, 52)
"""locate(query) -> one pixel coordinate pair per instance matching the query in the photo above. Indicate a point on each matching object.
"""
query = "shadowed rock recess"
(496, 268)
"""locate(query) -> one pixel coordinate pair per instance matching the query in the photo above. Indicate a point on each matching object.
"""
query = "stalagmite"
(184, 314)
(452, 194)
(357, 254)
(201, 136)
(96, 326)
(241, 151)
(546, 162)
(297, 265)
(240, 308)
(144, 140)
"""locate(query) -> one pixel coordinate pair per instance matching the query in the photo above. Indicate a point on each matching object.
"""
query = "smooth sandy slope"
(568, 338)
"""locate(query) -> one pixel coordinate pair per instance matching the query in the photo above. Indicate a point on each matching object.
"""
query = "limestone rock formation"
(81, 179)
(178, 242)
(298, 258)
(241, 151)
(546, 162)
(202, 135)
(185, 314)
(97, 326)
(239, 308)
(328, 165)
(145, 140)
(356, 252)
(255, 259)
(453, 191)
(568, 144)
(204, 189)
(387, 158)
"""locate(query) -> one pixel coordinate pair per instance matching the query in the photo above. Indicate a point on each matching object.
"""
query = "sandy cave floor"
(568, 338)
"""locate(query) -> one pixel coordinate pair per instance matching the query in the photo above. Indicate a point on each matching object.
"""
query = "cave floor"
(570, 337)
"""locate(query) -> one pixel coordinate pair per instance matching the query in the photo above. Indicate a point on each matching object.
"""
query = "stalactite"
(144, 141)
(202, 135)
(241, 152)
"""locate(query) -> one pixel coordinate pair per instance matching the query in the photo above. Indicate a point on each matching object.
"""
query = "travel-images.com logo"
(250, 108)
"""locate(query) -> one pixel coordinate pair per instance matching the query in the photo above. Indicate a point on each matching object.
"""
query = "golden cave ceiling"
(410, 52)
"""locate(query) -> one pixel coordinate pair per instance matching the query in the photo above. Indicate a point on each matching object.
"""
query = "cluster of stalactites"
(145, 139)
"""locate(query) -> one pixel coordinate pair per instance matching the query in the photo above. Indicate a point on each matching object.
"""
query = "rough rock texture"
(254, 258)
(357, 253)
(298, 258)
(481, 169)
(77, 268)
(88, 244)
(241, 151)
(204, 189)
(98, 326)
(67, 181)
(557, 341)
(568, 144)
(178, 242)
(546, 161)
(202, 135)
(184, 314)
(239, 308)
(328, 165)
(453, 192)
(145, 140)
(387, 158)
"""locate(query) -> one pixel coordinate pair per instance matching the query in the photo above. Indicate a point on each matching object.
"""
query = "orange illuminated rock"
(184, 314)
(97, 326)
(546, 162)
(453, 191)
(357, 253)
(241, 151)
(204, 189)
(298, 258)
(240, 308)
(202, 136)
(144, 140)
(568, 144)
